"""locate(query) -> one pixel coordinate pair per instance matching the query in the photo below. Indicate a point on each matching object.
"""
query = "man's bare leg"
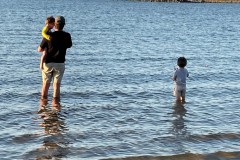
(44, 94)
(56, 94)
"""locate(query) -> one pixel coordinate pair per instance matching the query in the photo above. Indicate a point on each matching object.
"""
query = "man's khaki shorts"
(53, 71)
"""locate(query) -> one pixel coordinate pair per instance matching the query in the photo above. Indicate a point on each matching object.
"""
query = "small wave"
(187, 156)
(105, 95)
(204, 138)
(48, 150)
(25, 138)
(217, 136)
(110, 94)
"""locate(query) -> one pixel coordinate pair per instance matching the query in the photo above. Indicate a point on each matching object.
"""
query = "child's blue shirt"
(181, 75)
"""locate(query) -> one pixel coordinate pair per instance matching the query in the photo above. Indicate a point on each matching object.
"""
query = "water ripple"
(117, 100)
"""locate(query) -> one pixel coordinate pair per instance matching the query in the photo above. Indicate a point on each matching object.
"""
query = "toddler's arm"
(44, 33)
(174, 77)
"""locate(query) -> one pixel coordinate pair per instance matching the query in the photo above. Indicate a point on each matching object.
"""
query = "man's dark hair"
(59, 26)
(182, 62)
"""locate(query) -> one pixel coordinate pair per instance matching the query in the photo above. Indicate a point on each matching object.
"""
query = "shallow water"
(117, 90)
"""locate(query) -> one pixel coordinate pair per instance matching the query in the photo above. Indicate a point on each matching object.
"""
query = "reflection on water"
(55, 144)
(179, 128)
(118, 85)
(53, 122)
(179, 112)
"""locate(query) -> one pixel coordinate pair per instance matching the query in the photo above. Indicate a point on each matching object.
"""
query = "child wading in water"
(46, 32)
(179, 78)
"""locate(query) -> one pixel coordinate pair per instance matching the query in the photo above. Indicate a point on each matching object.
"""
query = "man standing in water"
(54, 65)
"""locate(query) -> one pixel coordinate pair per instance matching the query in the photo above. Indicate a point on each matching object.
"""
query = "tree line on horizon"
(193, 1)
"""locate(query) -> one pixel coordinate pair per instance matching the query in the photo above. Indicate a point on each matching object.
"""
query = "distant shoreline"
(192, 1)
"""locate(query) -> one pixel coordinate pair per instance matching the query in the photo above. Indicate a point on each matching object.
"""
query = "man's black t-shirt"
(57, 46)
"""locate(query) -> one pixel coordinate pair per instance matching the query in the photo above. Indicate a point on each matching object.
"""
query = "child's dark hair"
(49, 20)
(182, 62)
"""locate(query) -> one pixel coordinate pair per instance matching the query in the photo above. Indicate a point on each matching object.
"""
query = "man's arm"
(42, 45)
(69, 41)
(40, 49)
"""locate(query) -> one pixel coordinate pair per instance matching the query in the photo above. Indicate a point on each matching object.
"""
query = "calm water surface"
(117, 90)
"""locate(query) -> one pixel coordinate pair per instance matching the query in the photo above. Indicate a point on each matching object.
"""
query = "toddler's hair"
(182, 62)
(50, 20)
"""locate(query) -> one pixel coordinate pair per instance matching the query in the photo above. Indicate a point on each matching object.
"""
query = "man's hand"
(40, 49)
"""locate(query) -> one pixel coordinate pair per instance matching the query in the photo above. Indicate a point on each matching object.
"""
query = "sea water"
(117, 92)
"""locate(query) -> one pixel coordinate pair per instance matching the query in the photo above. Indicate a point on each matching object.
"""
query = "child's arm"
(187, 73)
(174, 78)
(44, 33)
